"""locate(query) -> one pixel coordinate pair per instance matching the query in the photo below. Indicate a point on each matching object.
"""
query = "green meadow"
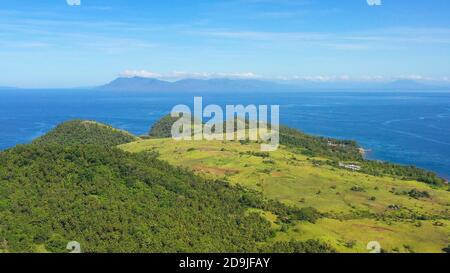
(357, 208)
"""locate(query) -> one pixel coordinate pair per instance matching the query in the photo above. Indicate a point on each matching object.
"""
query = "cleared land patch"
(357, 207)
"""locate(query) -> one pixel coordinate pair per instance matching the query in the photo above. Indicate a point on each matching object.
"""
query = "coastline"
(362, 150)
(339, 115)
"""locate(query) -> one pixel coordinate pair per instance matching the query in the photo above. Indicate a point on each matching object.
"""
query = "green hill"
(344, 208)
(74, 185)
(86, 132)
(337, 152)
(113, 192)
(163, 127)
(347, 201)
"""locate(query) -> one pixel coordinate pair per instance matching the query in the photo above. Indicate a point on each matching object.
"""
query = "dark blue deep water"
(406, 128)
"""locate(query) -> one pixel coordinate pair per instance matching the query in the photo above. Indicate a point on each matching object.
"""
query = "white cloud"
(372, 78)
(177, 75)
(140, 73)
(319, 78)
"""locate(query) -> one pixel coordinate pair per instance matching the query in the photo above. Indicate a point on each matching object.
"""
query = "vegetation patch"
(79, 132)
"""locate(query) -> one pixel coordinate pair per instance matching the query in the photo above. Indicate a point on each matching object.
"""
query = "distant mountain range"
(240, 85)
(249, 85)
(212, 85)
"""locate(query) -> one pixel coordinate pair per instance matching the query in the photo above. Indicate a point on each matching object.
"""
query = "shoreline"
(362, 150)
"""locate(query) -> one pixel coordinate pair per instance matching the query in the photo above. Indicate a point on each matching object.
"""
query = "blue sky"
(49, 43)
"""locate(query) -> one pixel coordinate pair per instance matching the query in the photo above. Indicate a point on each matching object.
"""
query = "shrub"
(308, 214)
(357, 189)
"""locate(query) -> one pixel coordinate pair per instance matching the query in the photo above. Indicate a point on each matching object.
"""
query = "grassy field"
(358, 208)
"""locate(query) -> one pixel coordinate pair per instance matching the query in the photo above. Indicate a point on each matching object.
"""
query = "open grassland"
(357, 208)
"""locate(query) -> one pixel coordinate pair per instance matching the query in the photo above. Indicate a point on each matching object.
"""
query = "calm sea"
(406, 128)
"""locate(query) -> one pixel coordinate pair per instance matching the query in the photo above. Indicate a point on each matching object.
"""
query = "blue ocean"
(405, 128)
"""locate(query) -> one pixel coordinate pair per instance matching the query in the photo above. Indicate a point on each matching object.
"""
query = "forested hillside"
(86, 132)
(344, 208)
(163, 127)
(76, 184)
(73, 185)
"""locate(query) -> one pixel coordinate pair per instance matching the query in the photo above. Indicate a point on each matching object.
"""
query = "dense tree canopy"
(163, 127)
(74, 184)
(71, 186)
(86, 132)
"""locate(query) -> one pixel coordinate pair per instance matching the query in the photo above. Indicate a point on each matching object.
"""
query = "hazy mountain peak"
(216, 84)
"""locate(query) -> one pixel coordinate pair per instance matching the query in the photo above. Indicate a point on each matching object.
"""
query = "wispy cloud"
(24, 44)
(106, 36)
(371, 78)
(178, 75)
(259, 35)
(273, 39)
(278, 15)
(341, 41)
